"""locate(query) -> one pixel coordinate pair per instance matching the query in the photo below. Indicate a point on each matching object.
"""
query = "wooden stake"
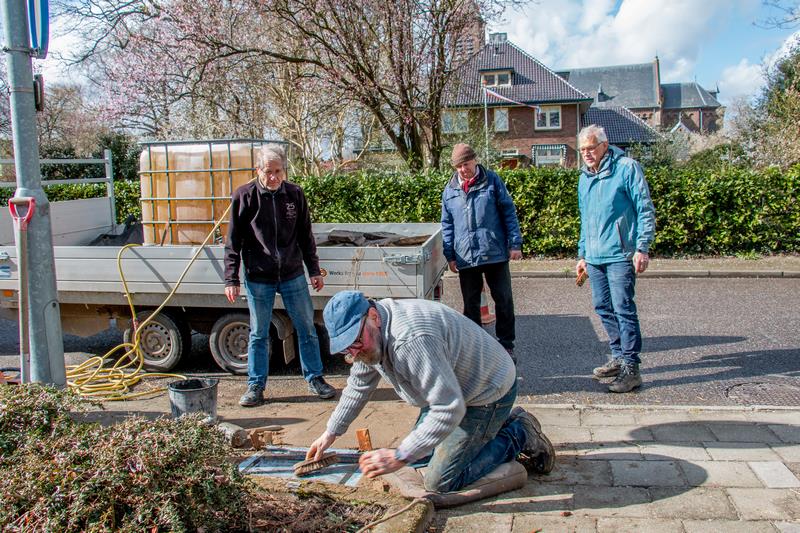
(364, 442)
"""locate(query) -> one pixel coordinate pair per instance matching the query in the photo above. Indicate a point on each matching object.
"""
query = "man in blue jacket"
(480, 233)
(617, 227)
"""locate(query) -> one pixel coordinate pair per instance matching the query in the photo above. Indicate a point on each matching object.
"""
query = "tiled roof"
(687, 95)
(531, 83)
(631, 86)
(621, 125)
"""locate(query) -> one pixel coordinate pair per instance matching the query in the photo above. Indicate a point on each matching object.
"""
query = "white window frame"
(545, 111)
(495, 75)
(498, 112)
(550, 159)
(455, 121)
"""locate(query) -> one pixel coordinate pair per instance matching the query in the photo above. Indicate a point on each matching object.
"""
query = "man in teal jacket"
(617, 227)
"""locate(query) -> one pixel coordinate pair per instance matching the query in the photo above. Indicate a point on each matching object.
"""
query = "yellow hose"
(94, 380)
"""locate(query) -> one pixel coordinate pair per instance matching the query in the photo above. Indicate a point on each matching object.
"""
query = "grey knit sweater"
(434, 357)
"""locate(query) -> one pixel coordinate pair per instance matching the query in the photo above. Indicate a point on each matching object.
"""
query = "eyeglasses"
(585, 149)
(357, 344)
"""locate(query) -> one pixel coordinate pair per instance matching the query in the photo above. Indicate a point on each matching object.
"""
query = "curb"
(645, 407)
(670, 274)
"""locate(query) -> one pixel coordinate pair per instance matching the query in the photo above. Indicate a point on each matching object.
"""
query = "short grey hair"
(271, 152)
(592, 130)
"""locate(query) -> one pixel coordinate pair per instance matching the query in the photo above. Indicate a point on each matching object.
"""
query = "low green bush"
(139, 475)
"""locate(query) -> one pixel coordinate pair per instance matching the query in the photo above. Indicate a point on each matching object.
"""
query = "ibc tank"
(186, 186)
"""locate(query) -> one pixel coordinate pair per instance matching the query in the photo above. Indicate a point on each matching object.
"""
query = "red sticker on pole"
(21, 220)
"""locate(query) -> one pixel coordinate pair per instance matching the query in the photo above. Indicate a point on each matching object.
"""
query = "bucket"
(197, 395)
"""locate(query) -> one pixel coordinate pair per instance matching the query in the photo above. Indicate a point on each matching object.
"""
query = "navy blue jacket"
(479, 227)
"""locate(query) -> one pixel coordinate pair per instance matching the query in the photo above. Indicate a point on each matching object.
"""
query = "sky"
(714, 42)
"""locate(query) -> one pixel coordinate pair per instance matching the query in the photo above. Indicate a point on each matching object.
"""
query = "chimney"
(498, 38)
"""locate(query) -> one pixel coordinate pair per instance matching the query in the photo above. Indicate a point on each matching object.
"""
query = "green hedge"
(731, 211)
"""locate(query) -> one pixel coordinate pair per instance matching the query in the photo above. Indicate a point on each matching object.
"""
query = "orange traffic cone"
(487, 317)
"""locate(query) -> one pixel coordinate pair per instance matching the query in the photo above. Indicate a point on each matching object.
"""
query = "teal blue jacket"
(617, 213)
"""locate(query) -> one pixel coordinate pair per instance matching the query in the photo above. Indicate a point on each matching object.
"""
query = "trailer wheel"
(228, 342)
(162, 341)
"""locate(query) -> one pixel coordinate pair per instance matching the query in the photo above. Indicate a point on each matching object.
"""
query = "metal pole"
(110, 188)
(46, 342)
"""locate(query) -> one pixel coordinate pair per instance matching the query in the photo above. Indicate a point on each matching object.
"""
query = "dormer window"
(498, 78)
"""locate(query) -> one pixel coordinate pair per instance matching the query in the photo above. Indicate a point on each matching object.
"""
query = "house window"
(496, 79)
(546, 155)
(501, 119)
(455, 122)
(548, 117)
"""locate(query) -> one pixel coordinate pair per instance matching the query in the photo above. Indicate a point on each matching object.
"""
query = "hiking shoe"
(538, 456)
(608, 370)
(318, 386)
(628, 379)
(253, 397)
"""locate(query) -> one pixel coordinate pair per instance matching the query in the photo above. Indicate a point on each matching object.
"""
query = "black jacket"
(271, 233)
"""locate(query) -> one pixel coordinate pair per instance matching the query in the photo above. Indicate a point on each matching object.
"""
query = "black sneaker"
(608, 370)
(318, 386)
(628, 379)
(253, 397)
(538, 456)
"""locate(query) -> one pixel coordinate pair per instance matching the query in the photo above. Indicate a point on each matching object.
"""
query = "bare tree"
(788, 14)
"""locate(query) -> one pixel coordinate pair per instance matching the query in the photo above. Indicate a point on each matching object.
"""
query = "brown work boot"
(628, 379)
(608, 370)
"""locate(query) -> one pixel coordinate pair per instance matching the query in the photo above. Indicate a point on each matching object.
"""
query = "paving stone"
(611, 501)
(620, 433)
(646, 474)
(786, 433)
(787, 527)
(719, 474)
(742, 432)
(606, 452)
(706, 415)
(788, 452)
(449, 522)
(740, 451)
(532, 498)
(774, 474)
(791, 418)
(728, 526)
(555, 417)
(688, 451)
(568, 435)
(658, 417)
(606, 418)
(766, 504)
(698, 503)
(682, 432)
(795, 468)
(526, 523)
(636, 525)
(575, 471)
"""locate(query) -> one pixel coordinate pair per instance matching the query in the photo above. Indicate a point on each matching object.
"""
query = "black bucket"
(197, 395)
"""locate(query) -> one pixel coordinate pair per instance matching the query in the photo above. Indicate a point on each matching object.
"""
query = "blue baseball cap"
(343, 314)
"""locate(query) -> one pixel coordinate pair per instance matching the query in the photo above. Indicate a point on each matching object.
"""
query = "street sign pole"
(44, 316)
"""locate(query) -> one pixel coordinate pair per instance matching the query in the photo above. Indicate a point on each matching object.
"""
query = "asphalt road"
(710, 341)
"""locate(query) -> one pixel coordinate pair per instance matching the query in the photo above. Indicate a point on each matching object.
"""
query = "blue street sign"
(39, 21)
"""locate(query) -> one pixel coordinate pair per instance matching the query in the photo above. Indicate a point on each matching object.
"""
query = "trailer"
(92, 297)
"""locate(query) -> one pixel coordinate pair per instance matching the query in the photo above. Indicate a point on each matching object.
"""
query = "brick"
(719, 474)
(740, 451)
(728, 526)
(612, 501)
(699, 503)
(646, 474)
(766, 504)
(661, 451)
(636, 525)
(774, 474)
(742, 432)
(526, 523)
(473, 523)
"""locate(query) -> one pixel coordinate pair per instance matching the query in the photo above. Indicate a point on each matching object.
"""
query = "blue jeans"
(613, 298)
(481, 442)
(297, 300)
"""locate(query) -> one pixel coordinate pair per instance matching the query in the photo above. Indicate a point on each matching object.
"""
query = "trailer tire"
(228, 342)
(163, 341)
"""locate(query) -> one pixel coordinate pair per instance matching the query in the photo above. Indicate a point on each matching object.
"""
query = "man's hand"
(516, 255)
(379, 462)
(232, 292)
(640, 262)
(317, 283)
(453, 267)
(322, 443)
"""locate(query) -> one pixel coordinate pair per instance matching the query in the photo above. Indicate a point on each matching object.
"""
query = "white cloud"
(740, 81)
(585, 33)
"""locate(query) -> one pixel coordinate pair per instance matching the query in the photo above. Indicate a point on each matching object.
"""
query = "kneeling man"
(457, 374)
